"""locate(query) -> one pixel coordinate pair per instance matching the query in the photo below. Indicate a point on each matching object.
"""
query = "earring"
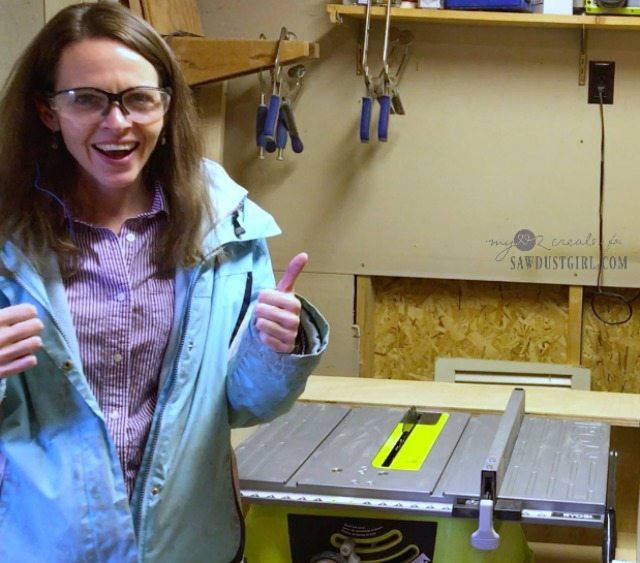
(163, 139)
(54, 140)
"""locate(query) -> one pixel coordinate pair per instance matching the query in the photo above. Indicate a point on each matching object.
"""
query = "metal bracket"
(360, 48)
(582, 62)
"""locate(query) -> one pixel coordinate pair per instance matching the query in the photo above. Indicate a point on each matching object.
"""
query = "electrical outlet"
(601, 74)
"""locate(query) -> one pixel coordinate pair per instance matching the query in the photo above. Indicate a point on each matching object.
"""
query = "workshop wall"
(21, 19)
(497, 137)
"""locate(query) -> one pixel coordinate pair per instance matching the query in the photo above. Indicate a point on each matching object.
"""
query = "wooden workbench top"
(618, 409)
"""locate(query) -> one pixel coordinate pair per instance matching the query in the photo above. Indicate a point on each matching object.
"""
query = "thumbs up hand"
(277, 311)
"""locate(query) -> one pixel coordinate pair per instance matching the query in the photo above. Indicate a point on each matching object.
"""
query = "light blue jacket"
(62, 494)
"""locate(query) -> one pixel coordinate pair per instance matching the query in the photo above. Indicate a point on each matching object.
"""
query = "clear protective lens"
(143, 104)
(84, 101)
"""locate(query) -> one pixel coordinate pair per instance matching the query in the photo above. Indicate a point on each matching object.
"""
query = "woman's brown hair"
(31, 170)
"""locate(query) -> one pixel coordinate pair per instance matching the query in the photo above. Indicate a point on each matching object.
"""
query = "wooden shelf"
(473, 17)
(617, 409)
(204, 60)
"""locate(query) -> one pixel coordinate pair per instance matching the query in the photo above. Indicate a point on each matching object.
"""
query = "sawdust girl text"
(567, 263)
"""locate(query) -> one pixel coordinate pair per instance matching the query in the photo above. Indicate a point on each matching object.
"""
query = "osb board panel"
(419, 320)
(612, 351)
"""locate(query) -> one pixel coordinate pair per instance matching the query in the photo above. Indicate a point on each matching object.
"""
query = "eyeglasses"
(141, 104)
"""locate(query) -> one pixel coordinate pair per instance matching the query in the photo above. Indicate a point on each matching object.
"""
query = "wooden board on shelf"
(205, 59)
(172, 16)
(617, 409)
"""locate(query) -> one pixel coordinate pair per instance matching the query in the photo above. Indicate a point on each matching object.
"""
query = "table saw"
(334, 482)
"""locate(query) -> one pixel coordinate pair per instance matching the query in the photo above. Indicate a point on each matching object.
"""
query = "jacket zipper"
(145, 471)
(246, 299)
(235, 480)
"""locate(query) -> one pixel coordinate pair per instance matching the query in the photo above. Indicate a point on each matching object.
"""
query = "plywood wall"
(418, 320)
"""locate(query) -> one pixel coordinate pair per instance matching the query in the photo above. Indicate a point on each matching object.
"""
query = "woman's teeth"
(115, 150)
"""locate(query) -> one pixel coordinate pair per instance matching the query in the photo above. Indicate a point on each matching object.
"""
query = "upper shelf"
(337, 11)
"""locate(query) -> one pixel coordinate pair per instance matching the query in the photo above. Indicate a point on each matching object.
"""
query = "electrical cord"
(600, 293)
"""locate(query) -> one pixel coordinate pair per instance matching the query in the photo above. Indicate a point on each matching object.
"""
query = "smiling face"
(112, 151)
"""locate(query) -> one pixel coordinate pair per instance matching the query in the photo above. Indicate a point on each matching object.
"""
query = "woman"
(139, 320)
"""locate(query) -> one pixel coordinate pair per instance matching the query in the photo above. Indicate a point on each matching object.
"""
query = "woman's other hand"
(19, 330)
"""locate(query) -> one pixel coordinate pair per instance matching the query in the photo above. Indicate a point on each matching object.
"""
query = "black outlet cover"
(601, 73)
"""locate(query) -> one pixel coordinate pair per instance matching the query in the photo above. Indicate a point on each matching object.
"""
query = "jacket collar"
(237, 217)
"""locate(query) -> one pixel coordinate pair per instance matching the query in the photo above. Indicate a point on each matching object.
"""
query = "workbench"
(621, 411)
